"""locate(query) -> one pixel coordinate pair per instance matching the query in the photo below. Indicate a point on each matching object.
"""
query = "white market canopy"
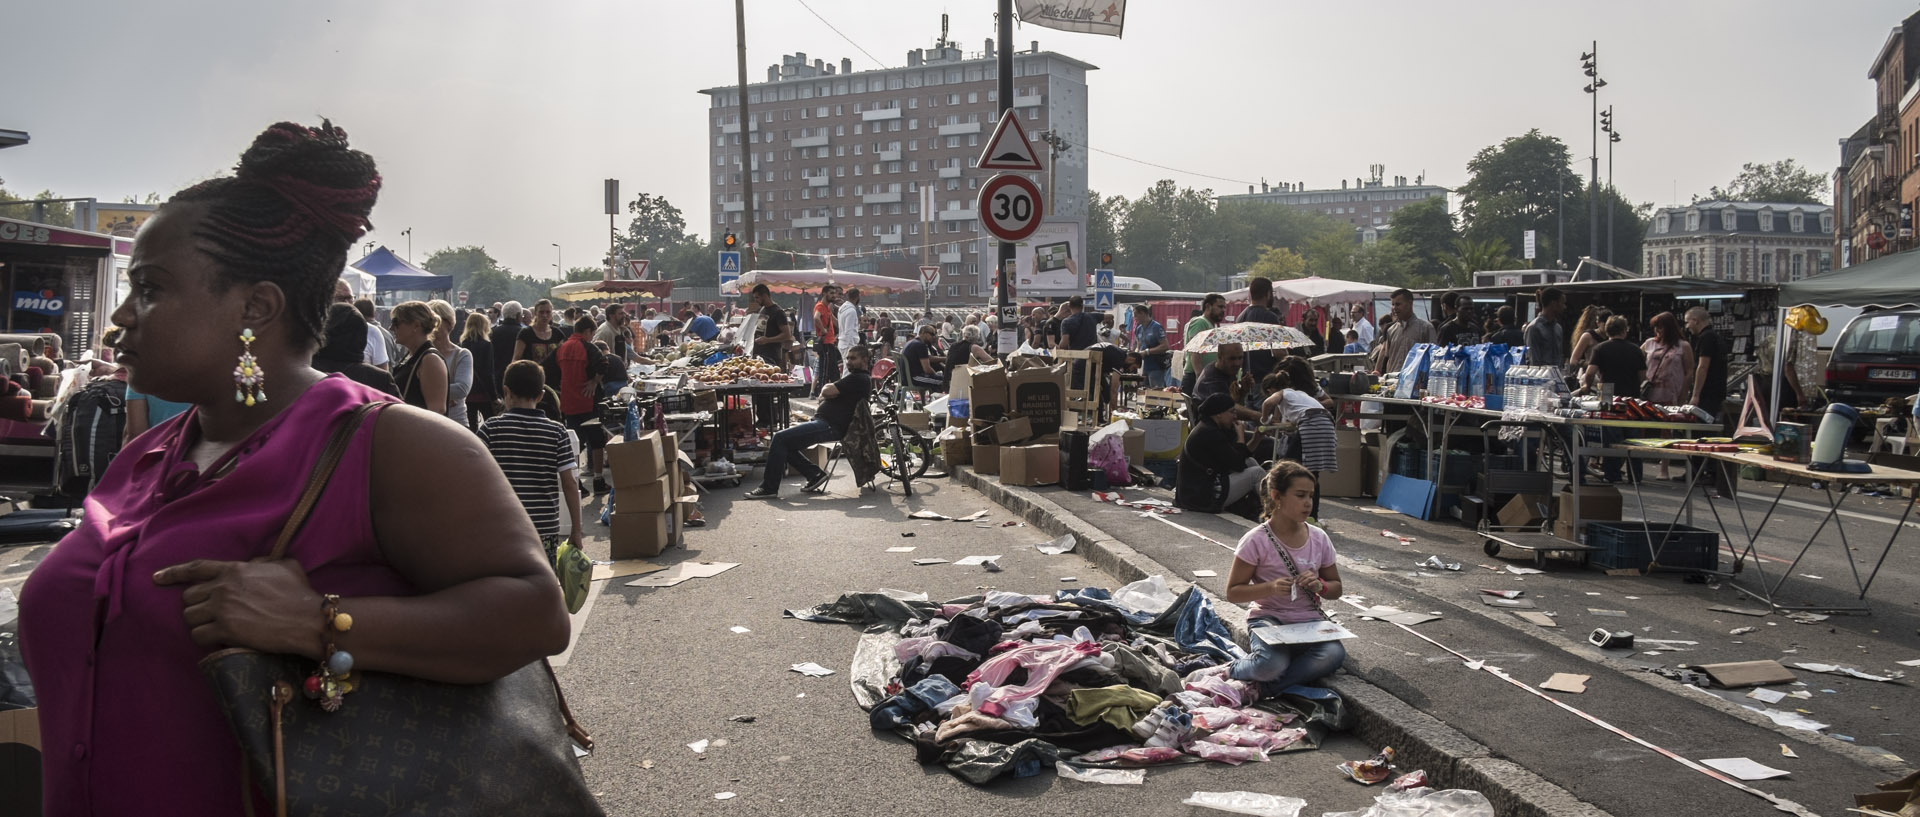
(1315, 291)
(795, 282)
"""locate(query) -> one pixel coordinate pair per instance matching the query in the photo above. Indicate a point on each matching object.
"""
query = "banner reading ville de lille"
(1086, 16)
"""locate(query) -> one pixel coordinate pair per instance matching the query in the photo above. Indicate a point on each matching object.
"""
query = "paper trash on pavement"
(1111, 777)
(928, 515)
(1567, 682)
(699, 747)
(1523, 571)
(1247, 802)
(1436, 563)
(1058, 546)
(1744, 768)
(972, 517)
(1914, 663)
(739, 630)
(925, 562)
(1835, 669)
(1768, 696)
(974, 561)
(811, 669)
(1204, 574)
(901, 549)
(1793, 720)
(1786, 752)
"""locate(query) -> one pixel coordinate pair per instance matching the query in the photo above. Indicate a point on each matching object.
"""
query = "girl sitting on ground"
(1284, 569)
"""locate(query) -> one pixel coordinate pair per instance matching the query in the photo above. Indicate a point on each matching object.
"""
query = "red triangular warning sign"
(1009, 149)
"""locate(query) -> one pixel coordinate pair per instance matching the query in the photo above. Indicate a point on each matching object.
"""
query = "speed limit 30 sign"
(1009, 206)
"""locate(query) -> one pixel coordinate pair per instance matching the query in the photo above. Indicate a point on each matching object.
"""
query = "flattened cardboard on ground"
(625, 567)
(1541, 619)
(1567, 682)
(1736, 674)
(682, 572)
(1496, 601)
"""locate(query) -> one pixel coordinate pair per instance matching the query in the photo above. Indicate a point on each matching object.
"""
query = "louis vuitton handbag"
(400, 744)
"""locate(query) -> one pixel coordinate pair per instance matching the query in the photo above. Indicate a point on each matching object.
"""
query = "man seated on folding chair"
(838, 402)
(926, 371)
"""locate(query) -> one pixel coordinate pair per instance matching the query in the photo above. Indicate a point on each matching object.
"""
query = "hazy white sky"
(494, 122)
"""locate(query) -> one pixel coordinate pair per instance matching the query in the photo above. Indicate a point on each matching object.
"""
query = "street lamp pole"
(560, 271)
(1590, 64)
(408, 232)
(746, 135)
(1004, 269)
(1613, 137)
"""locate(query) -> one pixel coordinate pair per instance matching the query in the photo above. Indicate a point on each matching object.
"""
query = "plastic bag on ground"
(1111, 777)
(981, 762)
(1247, 802)
(1424, 803)
(867, 608)
(874, 665)
(1148, 595)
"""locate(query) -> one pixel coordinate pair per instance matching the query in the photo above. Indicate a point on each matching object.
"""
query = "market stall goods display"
(1007, 684)
(736, 369)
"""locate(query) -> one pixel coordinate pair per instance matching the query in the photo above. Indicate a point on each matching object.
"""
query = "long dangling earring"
(249, 381)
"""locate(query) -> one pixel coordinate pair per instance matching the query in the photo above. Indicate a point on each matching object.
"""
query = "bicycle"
(905, 453)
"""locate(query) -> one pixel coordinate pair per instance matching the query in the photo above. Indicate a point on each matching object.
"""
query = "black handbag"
(400, 743)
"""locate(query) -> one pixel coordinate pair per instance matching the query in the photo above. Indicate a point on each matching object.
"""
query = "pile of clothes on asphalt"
(1005, 684)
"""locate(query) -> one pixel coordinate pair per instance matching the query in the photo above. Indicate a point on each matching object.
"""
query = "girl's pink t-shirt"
(1257, 548)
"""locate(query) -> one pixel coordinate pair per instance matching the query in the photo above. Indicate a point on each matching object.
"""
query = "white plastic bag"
(1148, 595)
(1111, 777)
(1247, 802)
(1424, 803)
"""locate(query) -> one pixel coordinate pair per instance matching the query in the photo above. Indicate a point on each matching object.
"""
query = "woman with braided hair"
(441, 579)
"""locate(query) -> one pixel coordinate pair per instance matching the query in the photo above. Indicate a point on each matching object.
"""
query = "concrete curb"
(1380, 719)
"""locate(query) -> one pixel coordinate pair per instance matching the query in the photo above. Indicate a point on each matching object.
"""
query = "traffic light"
(729, 241)
(1106, 259)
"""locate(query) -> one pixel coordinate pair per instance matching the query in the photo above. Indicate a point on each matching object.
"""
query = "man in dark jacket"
(502, 338)
(1216, 471)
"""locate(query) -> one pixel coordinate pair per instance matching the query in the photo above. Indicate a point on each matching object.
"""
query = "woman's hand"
(266, 606)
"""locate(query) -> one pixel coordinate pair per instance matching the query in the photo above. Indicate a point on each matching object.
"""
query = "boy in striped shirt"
(535, 455)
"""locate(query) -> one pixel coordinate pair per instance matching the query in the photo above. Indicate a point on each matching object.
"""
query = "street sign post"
(463, 297)
(1009, 207)
(1103, 290)
(729, 267)
(929, 277)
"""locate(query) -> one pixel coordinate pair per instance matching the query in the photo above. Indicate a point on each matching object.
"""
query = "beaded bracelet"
(334, 677)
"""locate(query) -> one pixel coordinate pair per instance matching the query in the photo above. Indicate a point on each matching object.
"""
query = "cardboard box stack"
(649, 495)
(1015, 422)
(1350, 480)
(1597, 503)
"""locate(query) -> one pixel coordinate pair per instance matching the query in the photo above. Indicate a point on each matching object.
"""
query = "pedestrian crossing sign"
(729, 263)
(1103, 300)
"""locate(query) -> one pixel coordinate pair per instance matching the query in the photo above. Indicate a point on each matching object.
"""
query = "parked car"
(1876, 357)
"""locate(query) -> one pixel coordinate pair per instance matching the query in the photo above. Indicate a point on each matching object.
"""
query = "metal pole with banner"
(1528, 244)
(1009, 336)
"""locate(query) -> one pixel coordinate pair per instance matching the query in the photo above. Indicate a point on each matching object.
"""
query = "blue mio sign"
(42, 303)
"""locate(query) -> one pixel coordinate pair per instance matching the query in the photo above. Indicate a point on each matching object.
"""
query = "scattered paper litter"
(1793, 720)
(1811, 576)
(1247, 802)
(1744, 769)
(1540, 619)
(1405, 540)
(1771, 696)
(868, 507)
(1914, 663)
(1058, 546)
(972, 517)
(925, 562)
(1069, 579)
(623, 567)
(901, 549)
(1808, 618)
(1744, 611)
(928, 515)
(1523, 571)
(1111, 777)
(1743, 630)
(1204, 574)
(974, 561)
(1567, 682)
(725, 795)
(1835, 669)
(1786, 752)
(699, 747)
(1378, 509)
(739, 630)
(682, 572)
(1436, 563)
(1505, 594)
(811, 669)
(1610, 613)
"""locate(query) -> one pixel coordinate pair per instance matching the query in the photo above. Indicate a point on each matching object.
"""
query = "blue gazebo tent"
(391, 273)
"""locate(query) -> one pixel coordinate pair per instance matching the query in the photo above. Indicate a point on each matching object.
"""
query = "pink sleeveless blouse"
(128, 725)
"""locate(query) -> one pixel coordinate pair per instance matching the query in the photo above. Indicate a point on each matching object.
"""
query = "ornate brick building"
(1746, 241)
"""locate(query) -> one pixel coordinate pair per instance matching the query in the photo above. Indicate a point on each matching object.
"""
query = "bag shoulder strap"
(1292, 567)
(322, 471)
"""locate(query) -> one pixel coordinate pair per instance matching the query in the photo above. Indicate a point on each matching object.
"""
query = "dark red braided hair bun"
(299, 200)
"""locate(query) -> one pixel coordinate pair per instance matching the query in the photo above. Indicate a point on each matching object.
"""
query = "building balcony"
(735, 127)
(733, 206)
(811, 142)
(961, 129)
(818, 181)
(880, 198)
(887, 155)
(890, 239)
(957, 215)
(949, 256)
(950, 172)
(880, 115)
(816, 221)
(1034, 101)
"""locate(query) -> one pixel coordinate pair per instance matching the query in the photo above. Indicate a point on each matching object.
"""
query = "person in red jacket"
(581, 364)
